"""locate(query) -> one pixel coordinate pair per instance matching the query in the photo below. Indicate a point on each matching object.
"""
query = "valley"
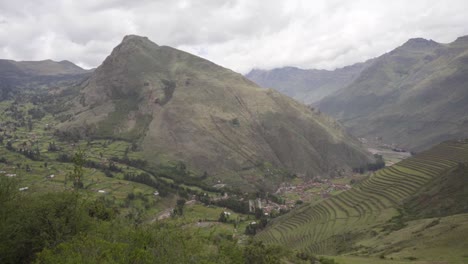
(161, 156)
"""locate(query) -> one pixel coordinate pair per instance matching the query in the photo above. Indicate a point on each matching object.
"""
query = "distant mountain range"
(415, 96)
(177, 106)
(307, 86)
(15, 75)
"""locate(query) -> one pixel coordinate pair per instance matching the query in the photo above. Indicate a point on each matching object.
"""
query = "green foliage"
(397, 222)
(158, 243)
(36, 113)
(8, 191)
(234, 204)
(179, 209)
(9, 146)
(64, 228)
(102, 209)
(52, 147)
(251, 229)
(168, 89)
(258, 253)
(378, 164)
(30, 223)
(108, 127)
(324, 260)
(223, 217)
(77, 175)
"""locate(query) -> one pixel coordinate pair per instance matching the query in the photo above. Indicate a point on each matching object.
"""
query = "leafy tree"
(223, 217)
(251, 229)
(259, 213)
(9, 146)
(8, 191)
(52, 147)
(33, 222)
(179, 209)
(258, 253)
(157, 243)
(77, 175)
(102, 209)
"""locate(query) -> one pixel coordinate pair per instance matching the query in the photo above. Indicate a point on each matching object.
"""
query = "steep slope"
(180, 107)
(444, 196)
(17, 75)
(370, 218)
(307, 86)
(414, 96)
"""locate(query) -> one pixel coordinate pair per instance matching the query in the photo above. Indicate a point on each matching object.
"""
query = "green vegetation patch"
(115, 125)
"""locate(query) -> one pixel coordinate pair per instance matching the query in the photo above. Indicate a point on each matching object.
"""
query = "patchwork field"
(369, 210)
(32, 153)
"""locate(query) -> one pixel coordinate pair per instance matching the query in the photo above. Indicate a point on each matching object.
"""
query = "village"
(303, 190)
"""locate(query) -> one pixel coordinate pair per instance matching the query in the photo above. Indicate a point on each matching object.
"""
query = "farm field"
(353, 220)
(32, 154)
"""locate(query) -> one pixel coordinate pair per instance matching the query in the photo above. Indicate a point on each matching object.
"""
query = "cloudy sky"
(238, 34)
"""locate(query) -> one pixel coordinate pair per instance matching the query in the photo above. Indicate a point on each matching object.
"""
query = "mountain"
(307, 86)
(16, 75)
(179, 107)
(414, 96)
(415, 209)
(38, 68)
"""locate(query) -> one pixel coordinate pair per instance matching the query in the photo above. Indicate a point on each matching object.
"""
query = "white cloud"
(238, 34)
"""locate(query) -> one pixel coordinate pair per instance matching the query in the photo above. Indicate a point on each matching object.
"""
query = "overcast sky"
(237, 34)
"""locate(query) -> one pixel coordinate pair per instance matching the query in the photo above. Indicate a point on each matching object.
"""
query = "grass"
(437, 239)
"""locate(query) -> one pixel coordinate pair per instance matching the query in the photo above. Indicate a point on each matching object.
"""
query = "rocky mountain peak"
(420, 43)
(461, 40)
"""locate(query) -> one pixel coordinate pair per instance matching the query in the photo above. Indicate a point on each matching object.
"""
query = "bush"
(32, 223)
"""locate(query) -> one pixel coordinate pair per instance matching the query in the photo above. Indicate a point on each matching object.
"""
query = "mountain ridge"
(178, 106)
(306, 85)
(411, 97)
(20, 75)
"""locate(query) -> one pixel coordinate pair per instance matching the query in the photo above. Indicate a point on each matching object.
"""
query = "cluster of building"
(310, 188)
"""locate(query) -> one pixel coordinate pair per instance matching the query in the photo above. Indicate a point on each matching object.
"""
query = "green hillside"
(414, 96)
(179, 107)
(390, 214)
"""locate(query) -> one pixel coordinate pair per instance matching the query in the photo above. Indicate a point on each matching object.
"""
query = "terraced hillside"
(371, 209)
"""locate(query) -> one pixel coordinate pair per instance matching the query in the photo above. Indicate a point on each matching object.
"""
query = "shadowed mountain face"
(307, 86)
(177, 106)
(15, 75)
(415, 95)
